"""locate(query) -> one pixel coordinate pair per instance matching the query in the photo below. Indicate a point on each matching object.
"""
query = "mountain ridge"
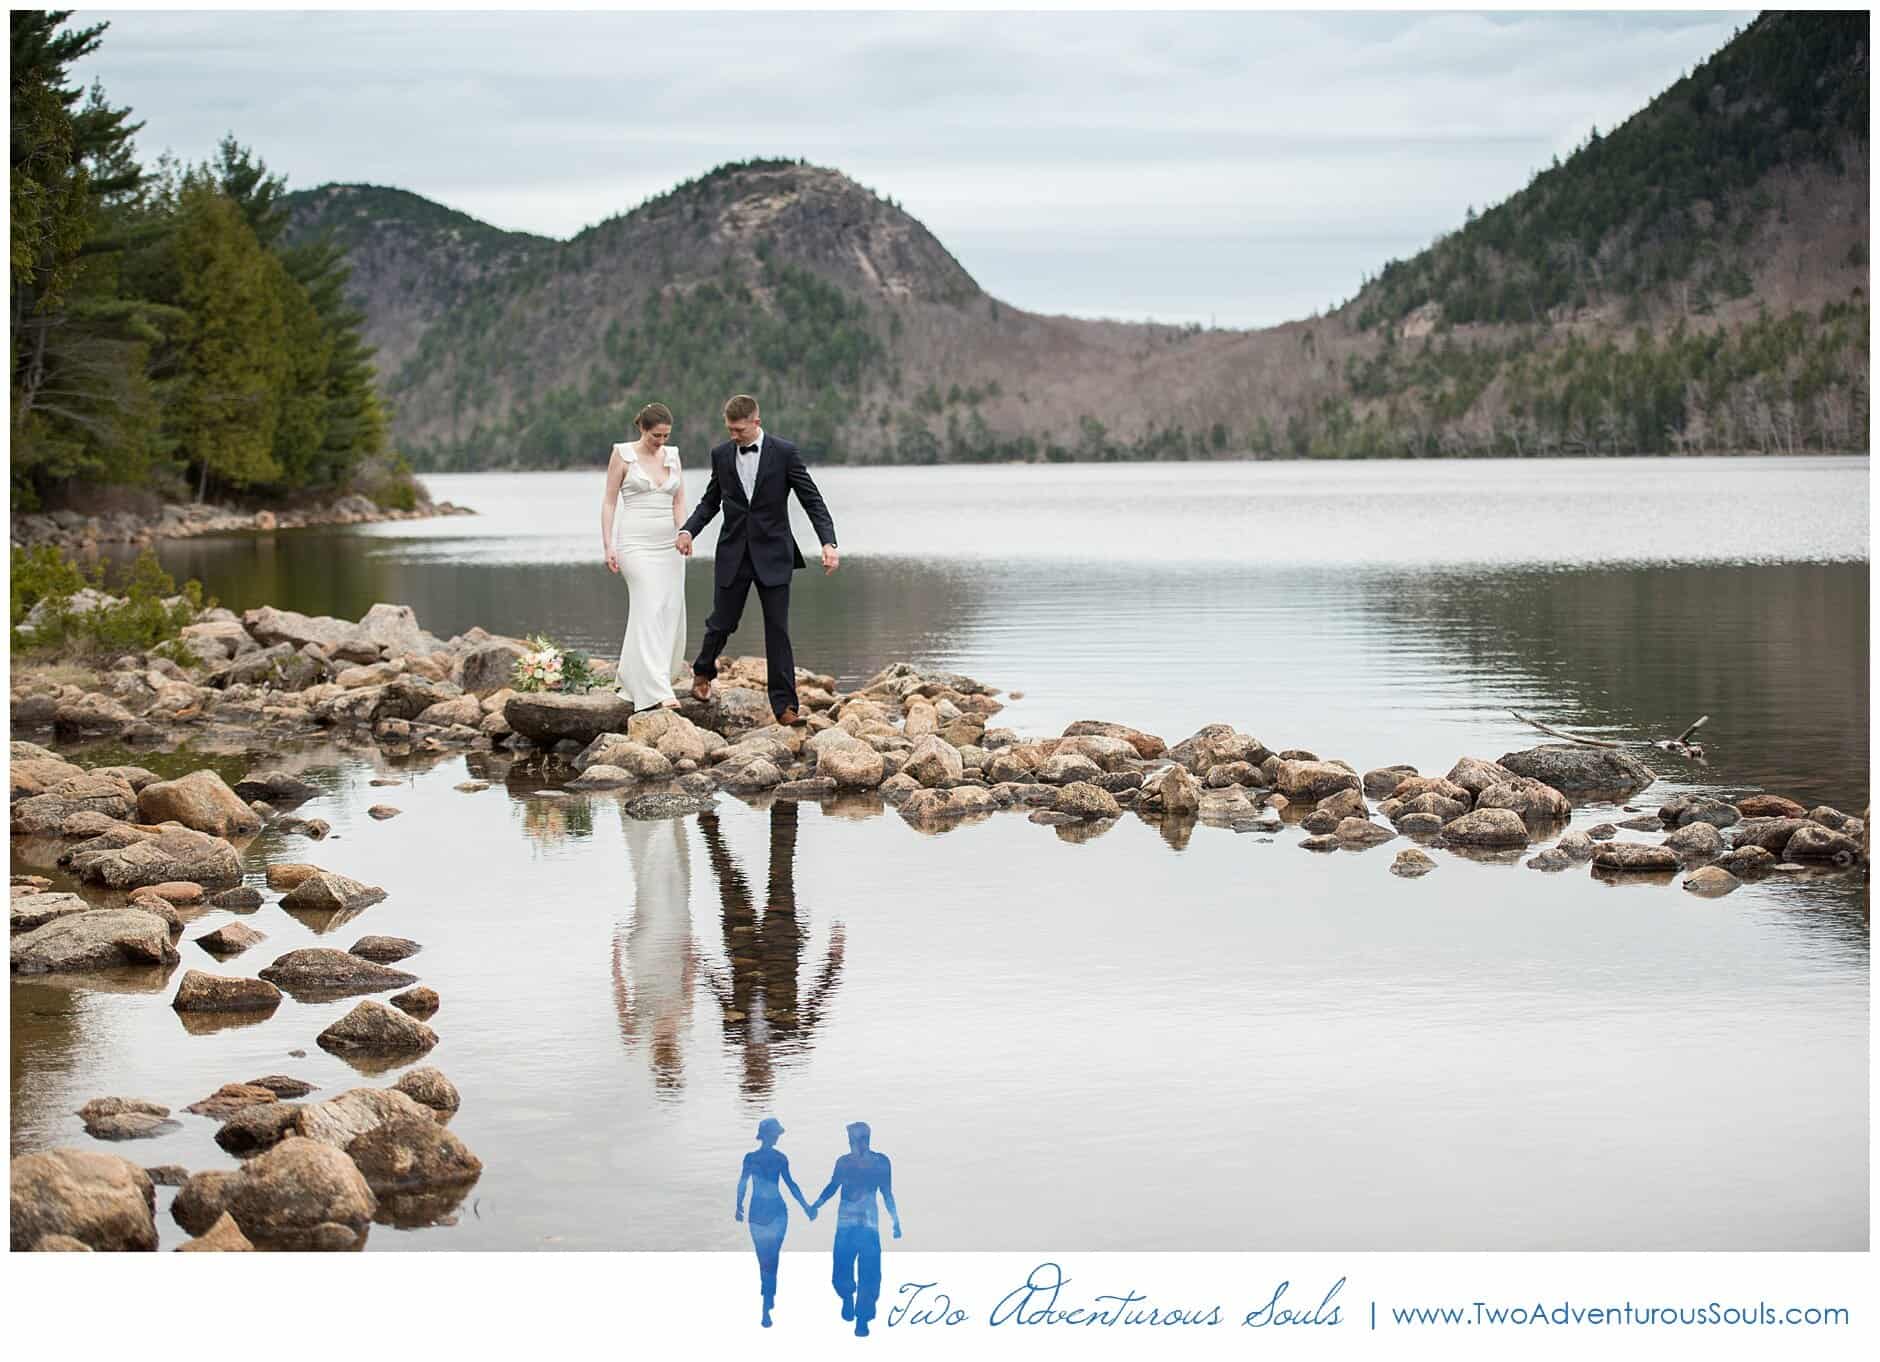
(1580, 314)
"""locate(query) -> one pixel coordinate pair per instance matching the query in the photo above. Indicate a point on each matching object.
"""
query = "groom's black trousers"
(728, 609)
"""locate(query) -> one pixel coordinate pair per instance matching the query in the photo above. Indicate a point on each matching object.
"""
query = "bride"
(643, 504)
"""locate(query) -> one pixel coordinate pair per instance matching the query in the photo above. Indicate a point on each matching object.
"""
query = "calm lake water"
(1120, 1042)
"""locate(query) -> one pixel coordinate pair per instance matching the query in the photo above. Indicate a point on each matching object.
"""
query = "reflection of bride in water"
(655, 958)
(765, 1013)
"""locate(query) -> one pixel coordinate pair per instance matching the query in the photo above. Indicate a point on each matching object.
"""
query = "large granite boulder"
(1536, 801)
(104, 938)
(1170, 791)
(1771, 834)
(853, 765)
(1635, 856)
(137, 857)
(276, 787)
(300, 1195)
(490, 666)
(546, 719)
(201, 800)
(1581, 769)
(340, 1120)
(1487, 828)
(268, 626)
(1314, 780)
(412, 1153)
(317, 972)
(1813, 842)
(1476, 775)
(1147, 745)
(104, 1202)
(28, 911)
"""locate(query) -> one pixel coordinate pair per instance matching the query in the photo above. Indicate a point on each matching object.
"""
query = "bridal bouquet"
(546, 667)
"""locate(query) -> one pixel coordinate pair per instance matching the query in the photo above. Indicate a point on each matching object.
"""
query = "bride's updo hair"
(653, 414)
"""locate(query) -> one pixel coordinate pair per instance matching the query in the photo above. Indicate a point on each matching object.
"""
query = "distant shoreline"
(85, 532)
(1472, 457)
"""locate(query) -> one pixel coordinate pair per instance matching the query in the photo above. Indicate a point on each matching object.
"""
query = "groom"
(751, 477)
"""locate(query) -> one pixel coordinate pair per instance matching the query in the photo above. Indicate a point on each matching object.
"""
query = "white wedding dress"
(653, 650)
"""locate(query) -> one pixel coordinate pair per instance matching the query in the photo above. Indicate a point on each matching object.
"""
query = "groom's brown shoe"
(701, 688)
(788, 718)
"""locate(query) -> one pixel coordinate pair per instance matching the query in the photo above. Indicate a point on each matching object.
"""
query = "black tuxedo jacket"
(761, 525)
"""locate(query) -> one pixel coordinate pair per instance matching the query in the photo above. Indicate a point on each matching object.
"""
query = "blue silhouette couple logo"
(860, 1176)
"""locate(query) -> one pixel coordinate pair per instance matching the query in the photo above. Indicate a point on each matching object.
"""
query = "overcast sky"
(1238, 169)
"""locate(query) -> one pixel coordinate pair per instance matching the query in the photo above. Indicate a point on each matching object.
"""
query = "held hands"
(829, 559)
(683, 543)
(811, 1210)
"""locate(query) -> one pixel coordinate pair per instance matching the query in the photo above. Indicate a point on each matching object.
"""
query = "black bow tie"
(747, 449)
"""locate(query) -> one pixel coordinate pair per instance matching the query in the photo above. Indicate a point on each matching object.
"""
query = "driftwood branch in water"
(1681, 745)
(1556, 733)
(1685, 736)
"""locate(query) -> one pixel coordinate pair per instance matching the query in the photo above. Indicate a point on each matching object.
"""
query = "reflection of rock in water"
(655, 958)
(765, 1016)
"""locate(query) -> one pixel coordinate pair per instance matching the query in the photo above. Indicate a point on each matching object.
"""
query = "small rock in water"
(230, 1098)
(1487, 828)
(472, 786)
(241, 899)
(1551, 859)
(1711, 881)
(225, 1236)
(281, 1085)
(384, 949)
(1410, 863)
(1361, 832)
(1648, 824)
(327, 892)
(1634, 856)
(1770, 806)
(1696, 841)
(1602, 832)
(420, 1002)
(1323, 842)
(200, 992)
(1747, 861)
(666, 805)
(373, 1028)
(315, 829)
(231, 938)
(286, 874)
(168, 1174)
(385, 780)
(1577, 845)
(430, 1088)
(258, 1126)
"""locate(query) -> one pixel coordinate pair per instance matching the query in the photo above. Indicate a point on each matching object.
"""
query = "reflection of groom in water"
(860, 1174)
(764, 1016)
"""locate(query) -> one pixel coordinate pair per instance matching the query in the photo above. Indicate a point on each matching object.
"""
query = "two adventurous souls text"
(1045, 1298)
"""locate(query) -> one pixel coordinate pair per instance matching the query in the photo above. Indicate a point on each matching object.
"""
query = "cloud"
(1351, 131)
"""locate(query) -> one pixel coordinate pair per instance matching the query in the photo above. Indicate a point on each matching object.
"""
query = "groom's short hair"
(741, 408)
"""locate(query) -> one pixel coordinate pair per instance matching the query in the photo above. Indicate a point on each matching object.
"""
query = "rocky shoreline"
(76, 532)
(148, 854)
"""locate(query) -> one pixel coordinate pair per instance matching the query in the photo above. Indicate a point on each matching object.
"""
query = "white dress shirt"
(747, 464)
